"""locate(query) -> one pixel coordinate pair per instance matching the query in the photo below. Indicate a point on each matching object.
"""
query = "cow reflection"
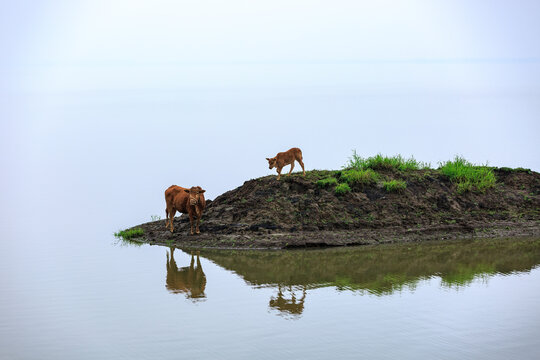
(291, 305)
(187, 280)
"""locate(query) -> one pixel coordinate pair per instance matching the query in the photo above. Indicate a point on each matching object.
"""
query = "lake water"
(86, 150)
(475, 299)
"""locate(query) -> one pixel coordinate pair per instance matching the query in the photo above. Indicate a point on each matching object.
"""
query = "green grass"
(327, 182)
(363, 177)
(128, 243)
(315, 175)
(394, 185)
(342, 189)
(467, 176)
(129, 233)
(519, 169)
(382, 162)
(363, 171)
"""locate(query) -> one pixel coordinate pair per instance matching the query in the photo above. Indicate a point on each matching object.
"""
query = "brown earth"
(296, 212)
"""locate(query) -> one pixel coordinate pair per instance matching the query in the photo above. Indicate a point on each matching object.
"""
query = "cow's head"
(271, 162)
(194, 194)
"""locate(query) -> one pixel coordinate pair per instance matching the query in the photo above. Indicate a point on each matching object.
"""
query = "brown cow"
(187, 201)
(286, 158)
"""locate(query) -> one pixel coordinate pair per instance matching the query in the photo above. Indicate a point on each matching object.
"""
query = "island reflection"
(379, 270)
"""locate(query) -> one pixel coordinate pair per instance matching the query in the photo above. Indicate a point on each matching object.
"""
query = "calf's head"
(194, 194)
(271, 162)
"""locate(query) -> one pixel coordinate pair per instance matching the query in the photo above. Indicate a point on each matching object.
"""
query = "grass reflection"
(381, 270)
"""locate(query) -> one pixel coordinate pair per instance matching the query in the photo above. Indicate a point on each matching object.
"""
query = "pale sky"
(164, 32)
(151, 93)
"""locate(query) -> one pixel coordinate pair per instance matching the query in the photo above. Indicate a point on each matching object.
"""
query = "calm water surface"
(475, 299)
(88, 150)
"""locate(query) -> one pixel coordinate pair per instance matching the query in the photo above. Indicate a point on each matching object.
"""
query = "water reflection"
(379, 270)
(189, 280)
(287, 302)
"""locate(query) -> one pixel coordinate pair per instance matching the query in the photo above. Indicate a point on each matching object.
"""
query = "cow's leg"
(172, 212)
(198, 220)
(166, 217)
(171, 218)
(278, 172)
(302, 165)
(198, 214)
(292, 167)
(191, 222)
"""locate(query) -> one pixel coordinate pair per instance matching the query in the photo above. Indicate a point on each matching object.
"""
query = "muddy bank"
(302, 212)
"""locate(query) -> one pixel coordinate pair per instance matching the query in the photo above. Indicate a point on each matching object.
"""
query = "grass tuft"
(129, 233)
(363, 177)
(394, 185)
(315, 175)
(342, 189)
(467, 176)
(382, 162)
(519, 169)
(327, 182)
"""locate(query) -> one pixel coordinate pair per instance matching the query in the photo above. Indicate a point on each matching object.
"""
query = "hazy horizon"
(123, 100)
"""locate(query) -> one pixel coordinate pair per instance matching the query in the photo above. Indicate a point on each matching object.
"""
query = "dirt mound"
(304, 211)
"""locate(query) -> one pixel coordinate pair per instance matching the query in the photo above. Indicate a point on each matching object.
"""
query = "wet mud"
(297, 212)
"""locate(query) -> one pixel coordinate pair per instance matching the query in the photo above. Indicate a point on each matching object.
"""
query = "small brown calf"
(187, 201)
(286, 158)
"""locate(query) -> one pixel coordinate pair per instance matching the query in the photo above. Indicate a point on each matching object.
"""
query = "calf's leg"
(278, 172)
(302, 165)
(292, 167)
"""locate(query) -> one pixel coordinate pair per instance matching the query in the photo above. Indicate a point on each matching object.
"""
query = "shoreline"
(309, 211)
(314, 239)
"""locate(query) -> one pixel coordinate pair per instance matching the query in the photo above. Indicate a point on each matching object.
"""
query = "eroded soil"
(296, 212)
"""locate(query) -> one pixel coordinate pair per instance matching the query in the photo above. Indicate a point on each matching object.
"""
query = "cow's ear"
(202, 191)
(268, 159)
(186, 190)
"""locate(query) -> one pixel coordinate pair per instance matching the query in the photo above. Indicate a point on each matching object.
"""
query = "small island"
(371, 200)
